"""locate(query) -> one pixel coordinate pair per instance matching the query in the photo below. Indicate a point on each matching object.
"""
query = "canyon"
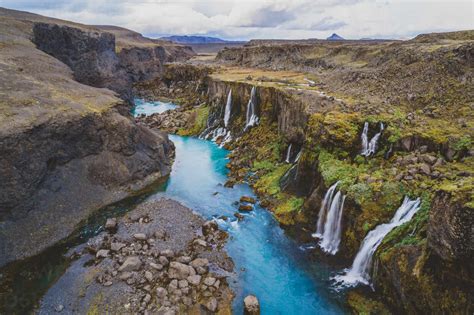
(359, 153)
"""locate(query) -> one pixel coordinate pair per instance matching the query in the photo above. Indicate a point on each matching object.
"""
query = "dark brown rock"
(245, 207)
(451, 228)
(247, 199)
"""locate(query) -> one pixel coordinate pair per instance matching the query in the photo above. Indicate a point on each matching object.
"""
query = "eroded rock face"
(451, 228)
(142, 63)
(58, 173)
(91, 55)
(93, 58)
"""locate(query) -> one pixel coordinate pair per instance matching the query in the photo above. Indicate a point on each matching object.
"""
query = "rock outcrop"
(92, 55)
(55, 175)
(451, 228)
(65, 148)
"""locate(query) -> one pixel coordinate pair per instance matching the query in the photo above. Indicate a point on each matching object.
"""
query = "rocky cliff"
(66, 149)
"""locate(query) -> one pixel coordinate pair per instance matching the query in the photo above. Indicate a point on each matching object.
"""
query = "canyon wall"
(68, 148)
(428, 163)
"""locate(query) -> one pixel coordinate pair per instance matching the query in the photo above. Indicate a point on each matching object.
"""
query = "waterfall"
(298, 156)
(328, 227)
(288, 154)
(365, 141)
(369, 148)
(359, 272)
(228, 108)
(251, 118)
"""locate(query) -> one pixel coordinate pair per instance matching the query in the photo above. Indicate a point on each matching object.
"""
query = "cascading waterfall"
(359, 272)
(328, 227)
(298, 156)
(220, 133)
(323, 210)
(288, 154)
(251, 117)
(228, 108)
(369, 148)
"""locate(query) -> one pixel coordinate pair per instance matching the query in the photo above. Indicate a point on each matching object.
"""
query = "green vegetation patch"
(197, 122)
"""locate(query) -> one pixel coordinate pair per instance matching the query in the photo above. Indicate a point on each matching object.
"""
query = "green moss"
(263, 165)
(333, 170)
(290, 204)
(363, 305)
(465, 142)
(269, 184)
(198, 122)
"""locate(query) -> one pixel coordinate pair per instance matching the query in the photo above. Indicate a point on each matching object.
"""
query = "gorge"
(139, 177)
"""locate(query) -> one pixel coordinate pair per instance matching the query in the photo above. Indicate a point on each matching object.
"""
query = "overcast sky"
(246, 19)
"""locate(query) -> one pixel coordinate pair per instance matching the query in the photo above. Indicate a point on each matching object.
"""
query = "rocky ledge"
(161, 258)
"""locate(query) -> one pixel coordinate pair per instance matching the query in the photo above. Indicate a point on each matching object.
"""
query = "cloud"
(245, 19)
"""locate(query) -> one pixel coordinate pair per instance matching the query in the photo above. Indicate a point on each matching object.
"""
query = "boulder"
(209, 281)
(161, 292)
(251, 305)
(156, 266)
(149, 276)
(194, 280)
(245, 207)
(200, 262)
(425, 169)
(209, 227)
(132, 263)
(200, 242)
(167, 253)
(163, 260)
(211, 304)
(248, 199)
(103, 253)
(116, 246)
(178, 270)
(140, 236)
(111, 224)
(239, 216)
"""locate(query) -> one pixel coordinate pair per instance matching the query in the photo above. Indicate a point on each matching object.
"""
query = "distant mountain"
(334, 36)
(190, 39)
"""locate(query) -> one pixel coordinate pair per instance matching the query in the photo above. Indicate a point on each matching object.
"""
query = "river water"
(268, 263)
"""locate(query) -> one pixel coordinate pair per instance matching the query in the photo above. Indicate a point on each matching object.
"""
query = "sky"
(248, 19)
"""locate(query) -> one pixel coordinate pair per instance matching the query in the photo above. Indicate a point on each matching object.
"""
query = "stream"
(268, 263)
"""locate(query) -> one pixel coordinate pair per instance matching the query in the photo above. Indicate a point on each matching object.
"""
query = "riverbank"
(159, 257)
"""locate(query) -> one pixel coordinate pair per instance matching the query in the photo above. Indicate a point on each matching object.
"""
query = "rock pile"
(160, 259)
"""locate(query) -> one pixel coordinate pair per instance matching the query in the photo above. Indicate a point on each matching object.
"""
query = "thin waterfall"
(298, 156)
(369, 148)
(329, 227)
(360, 270)
(365, 140)
(332, 228)
(228, 108)
(288, 154)
(251, 118)
(323, 210)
